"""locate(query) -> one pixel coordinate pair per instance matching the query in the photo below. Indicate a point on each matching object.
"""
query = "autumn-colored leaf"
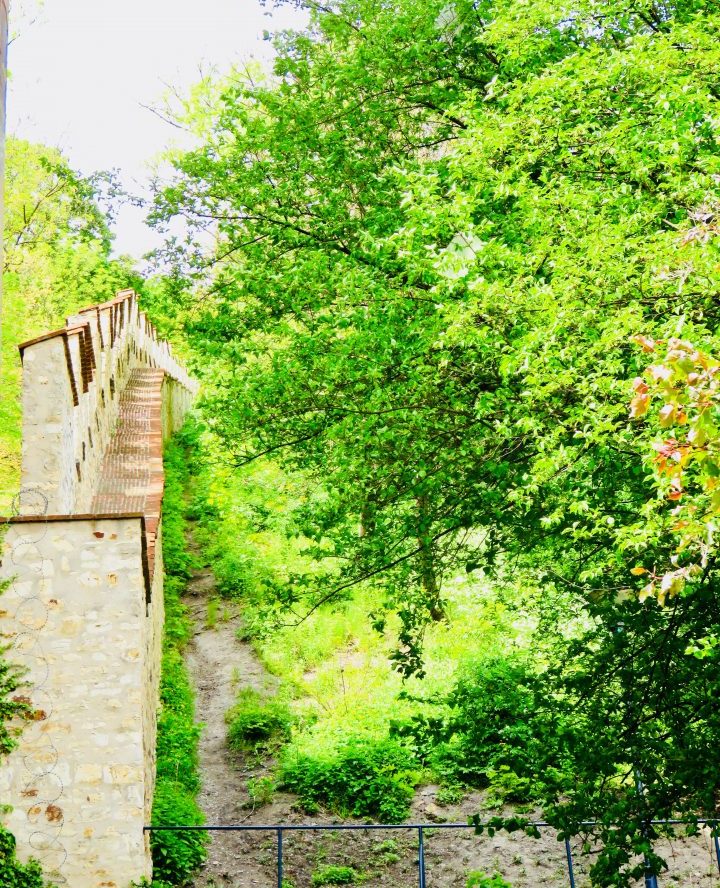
(667, 415)
(639, 406)
(645, 342)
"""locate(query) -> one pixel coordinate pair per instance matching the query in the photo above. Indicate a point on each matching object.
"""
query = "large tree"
(437, 227)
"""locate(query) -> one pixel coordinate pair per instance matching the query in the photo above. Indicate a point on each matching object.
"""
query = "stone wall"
(72, 382)
(83, 612)
(81, 780)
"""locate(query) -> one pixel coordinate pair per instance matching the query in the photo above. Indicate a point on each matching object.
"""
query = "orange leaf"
(639, 406)
(645, 343)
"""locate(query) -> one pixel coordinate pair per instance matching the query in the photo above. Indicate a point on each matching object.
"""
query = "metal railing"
(281, 829)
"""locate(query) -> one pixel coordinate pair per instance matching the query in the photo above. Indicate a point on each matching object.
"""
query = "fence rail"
(280, 829)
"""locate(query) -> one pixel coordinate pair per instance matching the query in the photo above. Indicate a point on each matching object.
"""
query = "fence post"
(280, 858)
(421, 858)
(568, 854)
(717, 849)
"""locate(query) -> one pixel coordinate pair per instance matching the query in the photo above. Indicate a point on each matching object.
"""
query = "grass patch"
(257, 725)
(176, 855)
(335, 875)
(478, 879)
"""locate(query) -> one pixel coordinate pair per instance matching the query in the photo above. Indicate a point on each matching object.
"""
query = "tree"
(438, 227)
(57, 260)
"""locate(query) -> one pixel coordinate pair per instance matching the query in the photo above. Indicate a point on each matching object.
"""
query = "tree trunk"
(428, 574)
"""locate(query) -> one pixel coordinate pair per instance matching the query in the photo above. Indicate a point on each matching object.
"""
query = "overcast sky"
(81, 73)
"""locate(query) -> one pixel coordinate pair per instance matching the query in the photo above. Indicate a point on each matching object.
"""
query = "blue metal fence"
(281, 829)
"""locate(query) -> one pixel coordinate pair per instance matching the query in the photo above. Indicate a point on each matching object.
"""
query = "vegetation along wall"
(84, 609)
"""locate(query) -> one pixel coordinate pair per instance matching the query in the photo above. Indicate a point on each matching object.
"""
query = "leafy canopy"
(436, 229)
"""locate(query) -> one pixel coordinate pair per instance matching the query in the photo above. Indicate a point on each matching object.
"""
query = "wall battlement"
(72, 382)
(83, 612)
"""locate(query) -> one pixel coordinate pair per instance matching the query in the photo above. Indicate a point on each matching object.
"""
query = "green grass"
(176, 855)
(335, 875)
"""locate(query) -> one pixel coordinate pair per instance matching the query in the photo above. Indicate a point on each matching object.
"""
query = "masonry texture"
(84, 609)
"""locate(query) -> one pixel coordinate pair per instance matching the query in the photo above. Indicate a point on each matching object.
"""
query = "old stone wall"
(83, 612)
(76, 613)
(72, 382)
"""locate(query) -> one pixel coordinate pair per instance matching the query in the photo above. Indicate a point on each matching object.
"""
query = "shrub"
(176, 855)
(495, 729)
(362, 778)
(178, 734)
(477, 879)
(335, 875)
(261, 791)
(257, 725)
(504, 733)
(14, 874)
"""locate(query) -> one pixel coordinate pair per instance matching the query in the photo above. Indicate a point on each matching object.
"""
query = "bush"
(335, 875)
(504, 733)
(176, 855)
(258, 725)
(14, 874)
(362, 778)
(495, 729)
(477, 879)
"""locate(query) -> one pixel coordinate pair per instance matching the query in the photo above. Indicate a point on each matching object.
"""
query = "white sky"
(82, 71)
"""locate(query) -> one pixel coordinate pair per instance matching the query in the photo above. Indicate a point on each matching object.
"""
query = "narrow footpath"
(220, 665)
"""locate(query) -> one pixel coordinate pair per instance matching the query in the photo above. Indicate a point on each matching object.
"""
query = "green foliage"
(176, 854)
(386, 852)
(57, 260)
(495, 726)
(450, 794)
(361, 778)
(335, 875)
(261, 790)
(439, 227)
(493, 729)
(14, 708)
(14, 874)
(258, 725)
(178, 734)
(478, 879)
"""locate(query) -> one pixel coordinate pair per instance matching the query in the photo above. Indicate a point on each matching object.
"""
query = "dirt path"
(220, 665)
